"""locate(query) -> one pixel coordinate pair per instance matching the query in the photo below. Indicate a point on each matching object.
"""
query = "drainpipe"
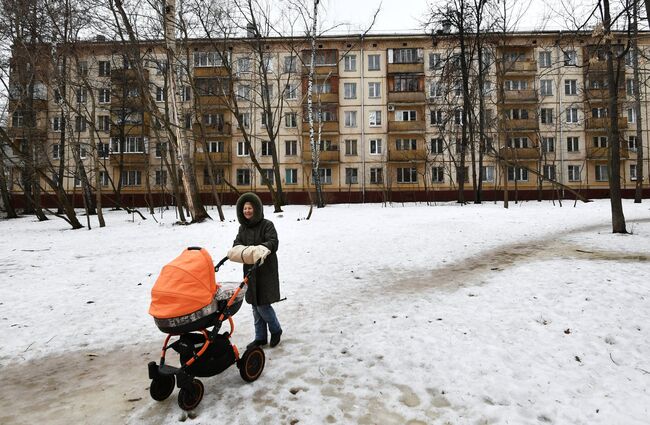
(363, 125)
(561, 122)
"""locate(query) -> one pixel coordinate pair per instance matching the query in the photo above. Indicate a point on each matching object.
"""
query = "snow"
(399, 314)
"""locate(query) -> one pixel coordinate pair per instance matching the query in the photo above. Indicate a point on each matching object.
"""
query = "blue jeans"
(265, 315)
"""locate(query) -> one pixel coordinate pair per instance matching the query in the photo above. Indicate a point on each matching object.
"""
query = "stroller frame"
(202, 362)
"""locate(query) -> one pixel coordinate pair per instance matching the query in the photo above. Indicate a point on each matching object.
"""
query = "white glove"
(260, 252)
(248, 254)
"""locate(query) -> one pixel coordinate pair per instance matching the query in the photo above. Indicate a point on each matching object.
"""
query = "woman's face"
(248, 210)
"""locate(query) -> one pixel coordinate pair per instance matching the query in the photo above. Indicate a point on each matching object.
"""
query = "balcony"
(514, 96)
(600, 153)
(121, 75)
(322, 98)
(405, 68)
(215, 157)
(135, 158)
(406, 126)
(603, 123)
(210, 71)
(521, 124)
(406, 97)
(407, 155)
(328, 156)
(525, 66)
(517, 154)
(220, 129)
(142, 129)
(603, 93)
(214, 101)
(329, 69)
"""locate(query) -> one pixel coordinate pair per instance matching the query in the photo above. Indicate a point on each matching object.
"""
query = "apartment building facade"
(388, 113)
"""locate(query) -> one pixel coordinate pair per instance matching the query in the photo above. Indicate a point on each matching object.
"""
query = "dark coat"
(264, 283)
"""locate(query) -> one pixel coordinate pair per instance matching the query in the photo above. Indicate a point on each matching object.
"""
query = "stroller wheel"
(189, 399)
(161, 387)
(251, 364)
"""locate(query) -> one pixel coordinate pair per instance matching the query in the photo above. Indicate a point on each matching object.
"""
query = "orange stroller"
(186, 301)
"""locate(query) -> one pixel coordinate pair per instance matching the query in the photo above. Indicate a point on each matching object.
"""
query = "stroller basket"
(205, 317)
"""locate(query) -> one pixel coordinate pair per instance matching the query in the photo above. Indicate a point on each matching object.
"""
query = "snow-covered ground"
(407, 314)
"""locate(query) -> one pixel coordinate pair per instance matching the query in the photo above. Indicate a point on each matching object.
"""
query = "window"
(267, 63)
(632, 143)
(104, 68)
(405, 115)
(244, 65)
(79, 124)
(436, 89)
(219, 175)
(549, 172)
(487, 173)
(518, 174)
(244, 92)
(517, 114)
(291, 176)
(161, 149)
(571, 115)
(601, 172)
(242, 149)
(350, 118)
(290, 64)
(545, 59)
(102, 150)
(462, 174)
(487, 88)
(207, 59)
(214, 146)
(291, 147)
(56, 151)
(350, 90)
(546, 87)
(268, 174)
(571, 87)
(437, 145)
(436, 117)
(407, 175)
(513, 85)
(244, 120)
(161, 177)
(186, 93)
(458, 88)
(267, 148)
(213, 120)
(437, 174)
(291, 92)
(188, 120)
(351, 175)
(570, 58)
(325, 175)
(131, 145)
(104, 123)
(374, 118)
(600, 141)
(548, 144)
(82, 95)
(267, 119)
(350, 63)
(435, 61)
(243, 176)
(104, 96)
(406, 144)
(574, 173)
(322, 87)
(546, 115)
(376, 175)
(161, 95)
(375, 147)
(518, 142)
(458, 116)
(633, 174)
(82, 68)
(373, 62)
(133, 92)
(410, 55)
(374, 90)
(103, 178)
(267, 91)
(572, 144)
(17, 119)
(599, 112)
(57, 123)
(406, 83)
(631, 115)
(131, 177)
(351, 147)
(630, 88)
(630, 57)
(291, 120)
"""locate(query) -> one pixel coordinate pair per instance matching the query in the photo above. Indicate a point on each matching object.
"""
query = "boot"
(275, 338)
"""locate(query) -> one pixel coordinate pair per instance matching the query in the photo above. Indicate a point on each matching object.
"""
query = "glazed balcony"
(517, 154)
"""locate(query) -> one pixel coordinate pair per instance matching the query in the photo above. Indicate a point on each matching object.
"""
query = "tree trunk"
(638, 192)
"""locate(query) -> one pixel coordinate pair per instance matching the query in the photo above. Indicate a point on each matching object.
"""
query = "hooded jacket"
(264, 283)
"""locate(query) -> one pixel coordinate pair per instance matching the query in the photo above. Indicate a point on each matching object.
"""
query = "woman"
(258, 240)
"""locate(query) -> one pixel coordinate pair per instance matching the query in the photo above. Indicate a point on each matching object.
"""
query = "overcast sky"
(399, 16)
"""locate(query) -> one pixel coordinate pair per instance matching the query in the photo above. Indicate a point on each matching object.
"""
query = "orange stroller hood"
(185, 285)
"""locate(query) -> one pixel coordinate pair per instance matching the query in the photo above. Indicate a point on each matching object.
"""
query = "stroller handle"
(251, 270)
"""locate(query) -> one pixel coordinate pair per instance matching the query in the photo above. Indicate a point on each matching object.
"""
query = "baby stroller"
(186, 301)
